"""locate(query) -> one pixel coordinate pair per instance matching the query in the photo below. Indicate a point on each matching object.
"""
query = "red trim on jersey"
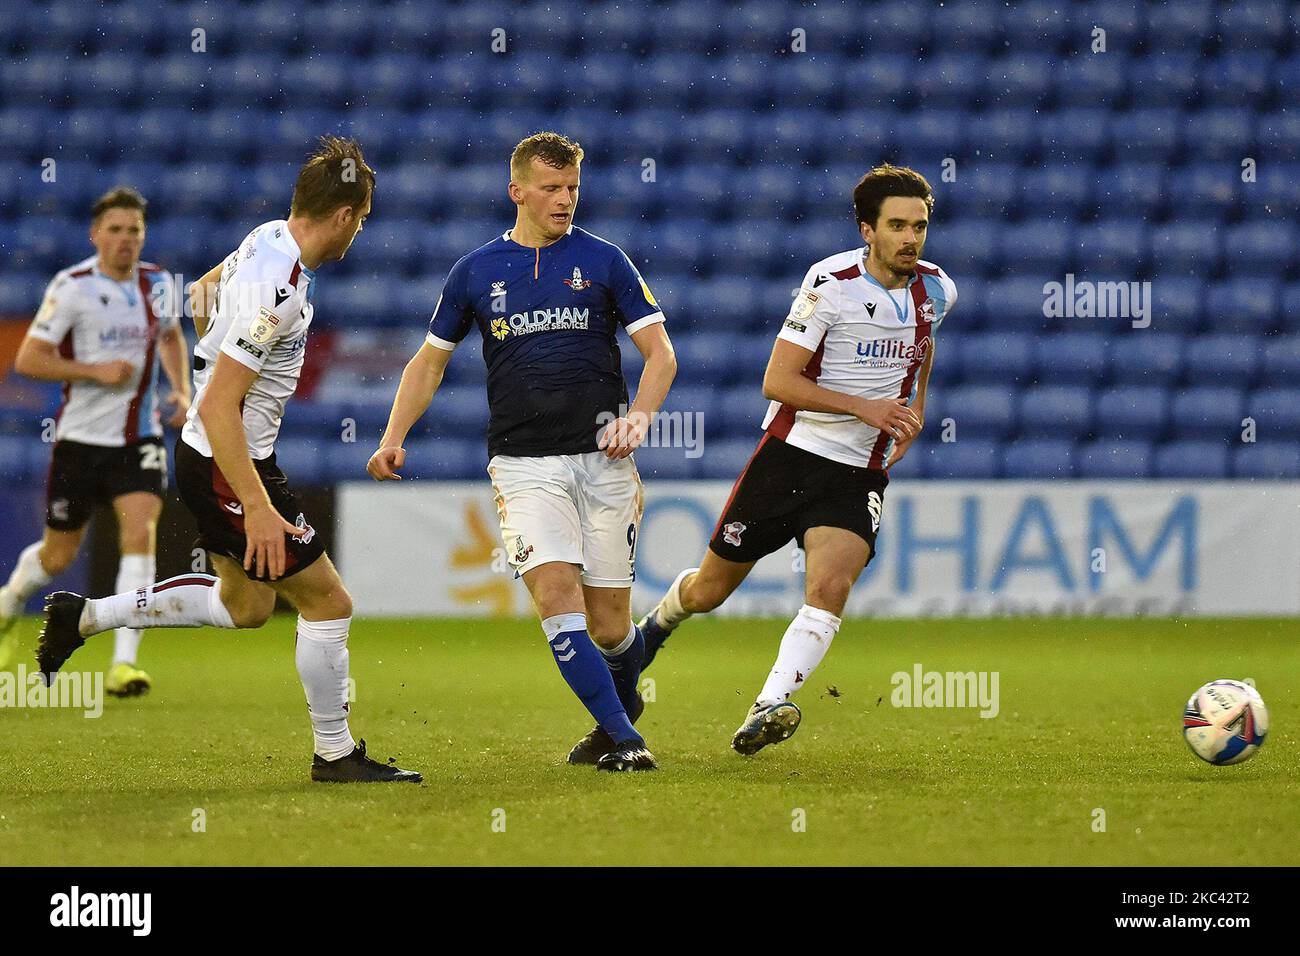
(131, 431)
(852, 272)
(81, 273)
(736, 487)
(297, 271)
(181, 582)
(784, 419)
(922, 333)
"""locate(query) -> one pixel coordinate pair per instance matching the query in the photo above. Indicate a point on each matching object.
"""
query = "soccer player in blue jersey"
(548, 299)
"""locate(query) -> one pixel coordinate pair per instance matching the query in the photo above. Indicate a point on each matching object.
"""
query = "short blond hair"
(556, 151)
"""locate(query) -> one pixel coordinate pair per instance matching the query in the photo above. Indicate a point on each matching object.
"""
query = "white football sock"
(806, 642)
(321, 653)
(187, 600)
(134, 571)
(670, 612)
(29, 574)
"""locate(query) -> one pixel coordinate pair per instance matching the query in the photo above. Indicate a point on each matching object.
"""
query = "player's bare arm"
(622, 436)
(785, 382)
(41, 360)
(176, 367)
(202, 295)
(420, 381)
(918, 406)
(224, 423)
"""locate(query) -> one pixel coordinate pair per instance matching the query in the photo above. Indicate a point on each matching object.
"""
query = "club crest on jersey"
(577, 283)
(804, 304)
(500, 328)
(263, 326)
(731, 533)
(927, 309)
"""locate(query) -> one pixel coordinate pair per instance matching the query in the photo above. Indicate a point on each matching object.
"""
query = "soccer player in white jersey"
(247, 363)
(104, 327)
(548, 300)
(847, 380)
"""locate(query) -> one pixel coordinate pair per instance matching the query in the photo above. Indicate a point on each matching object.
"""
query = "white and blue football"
(1225, 722)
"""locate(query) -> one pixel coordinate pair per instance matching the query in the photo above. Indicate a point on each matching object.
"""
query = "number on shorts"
(631, 542)
(153, 457)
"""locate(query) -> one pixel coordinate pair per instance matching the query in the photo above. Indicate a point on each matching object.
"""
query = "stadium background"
(723, 141)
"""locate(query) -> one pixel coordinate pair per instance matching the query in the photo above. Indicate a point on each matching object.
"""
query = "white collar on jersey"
(506, 235)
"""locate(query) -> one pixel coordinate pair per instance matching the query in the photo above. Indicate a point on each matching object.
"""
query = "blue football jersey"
(549, 319)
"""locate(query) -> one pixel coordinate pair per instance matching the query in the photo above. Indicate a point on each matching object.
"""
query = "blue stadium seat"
(1281, 360)
(1263, 247)
(1132, 412)
(1222, 359)
(1073, 132)
(1116, 459)
(980, 411)
(740, 408)
(1145, 135)
(1246, 305)
(967, 458)
(1192, 459)
(1002, 359)
(664, 464)
(725, 459)
(1063, 189)
(1251, 24)
(1219, 134)
(1071, 358)
(1167, 80)
(1088, 80)
(1271, 460)
(1209, 413)
(1035, 244)
(1063, 411)
(1033, 458)
(1186, 247)
(1131, 189)
(1276, 412)
(1184, 26)
(1237, 79)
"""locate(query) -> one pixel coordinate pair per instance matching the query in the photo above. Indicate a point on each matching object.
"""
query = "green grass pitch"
(1090, 715)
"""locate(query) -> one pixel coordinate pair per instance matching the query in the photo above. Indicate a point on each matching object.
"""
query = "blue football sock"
(625, 665)
(583, 668)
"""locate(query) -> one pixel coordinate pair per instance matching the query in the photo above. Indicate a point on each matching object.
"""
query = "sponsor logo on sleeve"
(250, 348)
(804, 303)
(797, 326)
(264, 326)
(645, 289)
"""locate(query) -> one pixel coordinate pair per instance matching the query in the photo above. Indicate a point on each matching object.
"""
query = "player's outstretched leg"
(187, 600)
(695, 591)
(124, 678)
(663, 619)
(774, 718)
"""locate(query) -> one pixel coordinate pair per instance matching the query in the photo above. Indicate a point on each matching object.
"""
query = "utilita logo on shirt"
(123, 333)
(894, 349)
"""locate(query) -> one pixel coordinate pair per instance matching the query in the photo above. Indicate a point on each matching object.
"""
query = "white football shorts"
(581, 509)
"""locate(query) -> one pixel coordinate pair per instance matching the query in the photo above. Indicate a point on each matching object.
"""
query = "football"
(1225, 722)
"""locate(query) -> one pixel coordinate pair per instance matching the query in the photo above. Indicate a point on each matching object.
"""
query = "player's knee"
(249, 609)
(340, 604)
(830, 594)
(606, 636)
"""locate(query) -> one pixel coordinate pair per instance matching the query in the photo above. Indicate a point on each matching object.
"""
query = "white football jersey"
(260, 319)
(94, 318)
(866, 340)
